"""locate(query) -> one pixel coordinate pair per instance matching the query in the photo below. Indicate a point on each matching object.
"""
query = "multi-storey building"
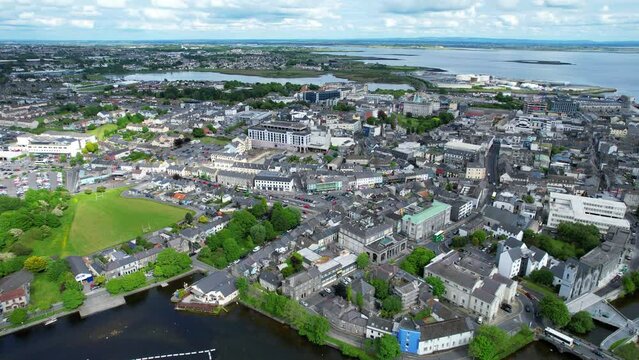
(271, 181)
(52, 143)
(472, 283)
(281, 134)
(599, 212)
(420, 222)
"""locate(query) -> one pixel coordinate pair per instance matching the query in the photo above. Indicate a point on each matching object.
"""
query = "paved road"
(492, 161)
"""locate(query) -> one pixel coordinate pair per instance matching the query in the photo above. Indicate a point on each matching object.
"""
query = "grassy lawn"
(92, 224)
(543, 290)
(44, 292)
(215, 140)
(100, 130)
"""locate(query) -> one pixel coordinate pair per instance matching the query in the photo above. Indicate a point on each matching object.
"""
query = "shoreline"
(11, 330)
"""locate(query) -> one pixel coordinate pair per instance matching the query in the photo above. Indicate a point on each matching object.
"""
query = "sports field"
(92, 223)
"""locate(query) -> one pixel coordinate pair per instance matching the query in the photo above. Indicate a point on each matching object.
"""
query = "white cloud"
(508, 4)
(83, 23)
(421, 6)
(388, 22)
(86, 10)
(566, 4)
(172, 4)
(509, 20)
(112, 4)
(160, 14)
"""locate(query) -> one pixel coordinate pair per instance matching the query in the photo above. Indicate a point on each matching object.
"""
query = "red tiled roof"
(13, 294)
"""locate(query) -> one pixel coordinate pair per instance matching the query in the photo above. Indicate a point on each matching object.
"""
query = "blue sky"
(317, 19)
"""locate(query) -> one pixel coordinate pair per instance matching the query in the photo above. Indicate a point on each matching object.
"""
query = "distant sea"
(601, 68)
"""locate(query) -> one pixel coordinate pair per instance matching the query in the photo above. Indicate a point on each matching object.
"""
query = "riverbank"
(115, 301)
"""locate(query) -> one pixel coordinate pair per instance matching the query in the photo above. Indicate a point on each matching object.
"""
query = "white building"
(599, 212)
(216, 289)
(514, 258)
(67, 143)
(281, 134)
(367, 179)
(271, 181)
(445, 335)
(472, 283)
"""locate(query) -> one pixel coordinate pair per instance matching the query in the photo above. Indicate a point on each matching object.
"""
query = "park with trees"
(245, 230)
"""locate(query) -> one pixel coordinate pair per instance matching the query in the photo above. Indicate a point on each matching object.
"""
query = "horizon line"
(427, 38)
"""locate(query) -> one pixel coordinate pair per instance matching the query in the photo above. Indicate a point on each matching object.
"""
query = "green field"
(44, 292)
(100, 130)
(91, 224)
(215, 140)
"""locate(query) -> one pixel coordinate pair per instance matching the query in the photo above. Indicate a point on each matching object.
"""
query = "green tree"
(488, 342)
(260, 209)
(362, 261)
(391, 306)
(170, 263)
(18, 316)
(415, 262)
(72, 299)
(478, 237)
(284, 219)
(203, 219)
(275, 304)
(528, 199)
(359, 300)
(581, 323)
(387, 347)
(188, 217)
(542, 277)
(555, 310)
(438, 285)
(270, 232)
(381, 288)
(232, 250)
(482, 348)
(56, 268)
(198, 133)
(629, 286)
(315, 328)
(91, 147)
(36, 263)
(242, 285)
(258, 233)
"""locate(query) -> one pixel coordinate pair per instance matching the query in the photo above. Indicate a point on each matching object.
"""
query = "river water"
(148, 325)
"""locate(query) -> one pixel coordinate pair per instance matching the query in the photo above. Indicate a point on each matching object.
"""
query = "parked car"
(506, 307)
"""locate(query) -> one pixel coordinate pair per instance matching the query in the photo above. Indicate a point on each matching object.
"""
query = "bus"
(560, 337)
(438, 236)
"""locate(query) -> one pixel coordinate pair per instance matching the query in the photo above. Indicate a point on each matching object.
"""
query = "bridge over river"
(601, 310)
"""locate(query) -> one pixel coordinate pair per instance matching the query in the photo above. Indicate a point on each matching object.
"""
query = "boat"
(50, 321)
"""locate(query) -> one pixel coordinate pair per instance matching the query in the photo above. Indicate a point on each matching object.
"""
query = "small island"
(541, 62)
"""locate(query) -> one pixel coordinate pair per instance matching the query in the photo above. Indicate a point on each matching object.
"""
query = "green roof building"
(421, 222)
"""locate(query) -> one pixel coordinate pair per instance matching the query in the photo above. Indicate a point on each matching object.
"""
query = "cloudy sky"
(317, 19)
